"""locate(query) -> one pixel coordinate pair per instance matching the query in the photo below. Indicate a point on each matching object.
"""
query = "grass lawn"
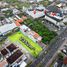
(15, 38)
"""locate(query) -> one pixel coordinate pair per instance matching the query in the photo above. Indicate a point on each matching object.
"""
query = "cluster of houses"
(12, 55)
(54, 14)
(7, 28)
(10, 23)
(5, 14)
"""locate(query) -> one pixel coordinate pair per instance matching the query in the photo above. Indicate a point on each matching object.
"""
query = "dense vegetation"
(37, 26)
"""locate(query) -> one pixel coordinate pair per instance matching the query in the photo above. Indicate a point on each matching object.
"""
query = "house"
(31, 34)
(12, 54)
(11, 59)
(17, 22)
(6, 28)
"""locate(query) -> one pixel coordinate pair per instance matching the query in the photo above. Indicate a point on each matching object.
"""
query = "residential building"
(13, 56)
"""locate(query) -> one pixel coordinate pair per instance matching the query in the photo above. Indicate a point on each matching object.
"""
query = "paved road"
(53, 48)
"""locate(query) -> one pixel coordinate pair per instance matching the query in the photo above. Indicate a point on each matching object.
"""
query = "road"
(52, 50)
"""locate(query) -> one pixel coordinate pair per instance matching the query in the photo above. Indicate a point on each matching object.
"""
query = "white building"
(7, 27)
(23, 64)
(37, 12)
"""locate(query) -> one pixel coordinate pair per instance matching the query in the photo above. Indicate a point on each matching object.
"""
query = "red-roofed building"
(36, 36)
(18, 22)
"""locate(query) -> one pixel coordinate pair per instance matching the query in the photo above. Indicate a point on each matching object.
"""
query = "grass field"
(16, 37)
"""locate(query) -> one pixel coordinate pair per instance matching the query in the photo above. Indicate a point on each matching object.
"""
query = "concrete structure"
(54, 15)
(36, 12)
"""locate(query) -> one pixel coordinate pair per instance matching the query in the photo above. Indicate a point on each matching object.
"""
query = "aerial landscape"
(33, 33)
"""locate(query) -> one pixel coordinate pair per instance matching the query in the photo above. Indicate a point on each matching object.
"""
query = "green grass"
(15, 38)
(41, 29)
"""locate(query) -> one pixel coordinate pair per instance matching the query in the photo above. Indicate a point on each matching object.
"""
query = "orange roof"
(20, 20)
(3, 63)
(36, 35)
(17, 24)
(24, 17)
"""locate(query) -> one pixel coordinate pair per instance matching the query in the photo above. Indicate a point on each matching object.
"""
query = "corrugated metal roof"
(7, 27)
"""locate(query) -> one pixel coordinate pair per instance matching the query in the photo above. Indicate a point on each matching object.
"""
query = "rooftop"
(14, 57)
(7, 27)
(4, 52)
(11, 47)
(53, 9)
